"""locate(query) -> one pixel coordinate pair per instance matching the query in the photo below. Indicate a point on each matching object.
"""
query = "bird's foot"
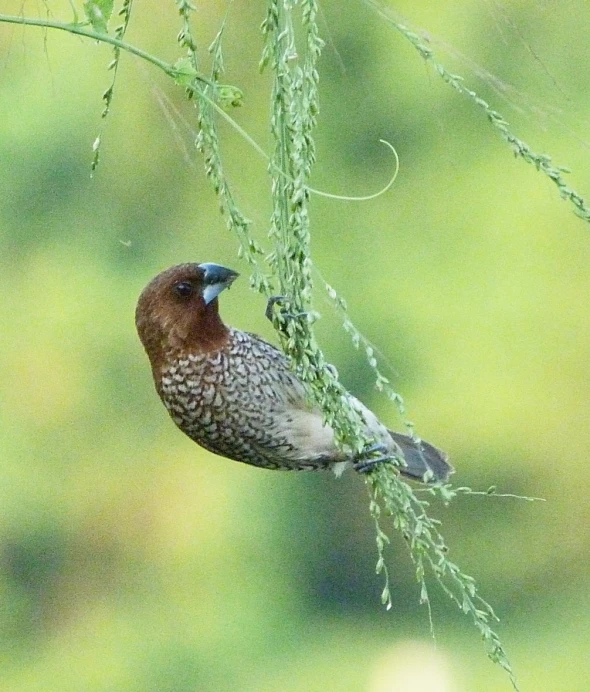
(281, 300)
(272, 301)
(371, 457)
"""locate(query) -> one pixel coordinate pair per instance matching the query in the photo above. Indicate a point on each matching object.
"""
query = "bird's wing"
(309, 438)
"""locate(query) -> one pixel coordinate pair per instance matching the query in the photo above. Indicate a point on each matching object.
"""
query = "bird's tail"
(422, 458)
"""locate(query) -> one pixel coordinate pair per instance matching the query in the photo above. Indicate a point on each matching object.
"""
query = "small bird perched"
(234, 393)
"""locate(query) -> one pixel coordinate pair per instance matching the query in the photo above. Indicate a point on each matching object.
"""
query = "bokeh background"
(133, 561)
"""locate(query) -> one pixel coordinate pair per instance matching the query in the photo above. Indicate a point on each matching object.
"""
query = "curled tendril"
(320, 193)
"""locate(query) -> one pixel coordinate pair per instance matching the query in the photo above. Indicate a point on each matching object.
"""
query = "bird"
(237, 395)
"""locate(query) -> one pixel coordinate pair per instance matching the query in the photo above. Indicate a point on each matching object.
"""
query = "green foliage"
(542, 162)
(207, 142)
(107, 97)
(428, 549)
(294, 114)
(185, 72)
(295, 108)
(99, 13)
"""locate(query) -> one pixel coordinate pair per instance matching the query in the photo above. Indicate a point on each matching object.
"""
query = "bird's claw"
(366, 465)
(272, 301)
(280, 300)
(365, 461)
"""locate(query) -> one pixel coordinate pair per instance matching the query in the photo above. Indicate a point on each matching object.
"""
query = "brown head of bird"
(178, 311)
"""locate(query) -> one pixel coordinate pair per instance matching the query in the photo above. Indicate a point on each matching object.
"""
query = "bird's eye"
(183, 289)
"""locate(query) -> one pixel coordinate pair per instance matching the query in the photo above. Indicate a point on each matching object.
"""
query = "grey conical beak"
(215, 279)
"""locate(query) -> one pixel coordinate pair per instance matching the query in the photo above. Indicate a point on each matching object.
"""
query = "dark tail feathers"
(422, 457)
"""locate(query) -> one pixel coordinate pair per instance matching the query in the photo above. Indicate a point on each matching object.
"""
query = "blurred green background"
(133, 561)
